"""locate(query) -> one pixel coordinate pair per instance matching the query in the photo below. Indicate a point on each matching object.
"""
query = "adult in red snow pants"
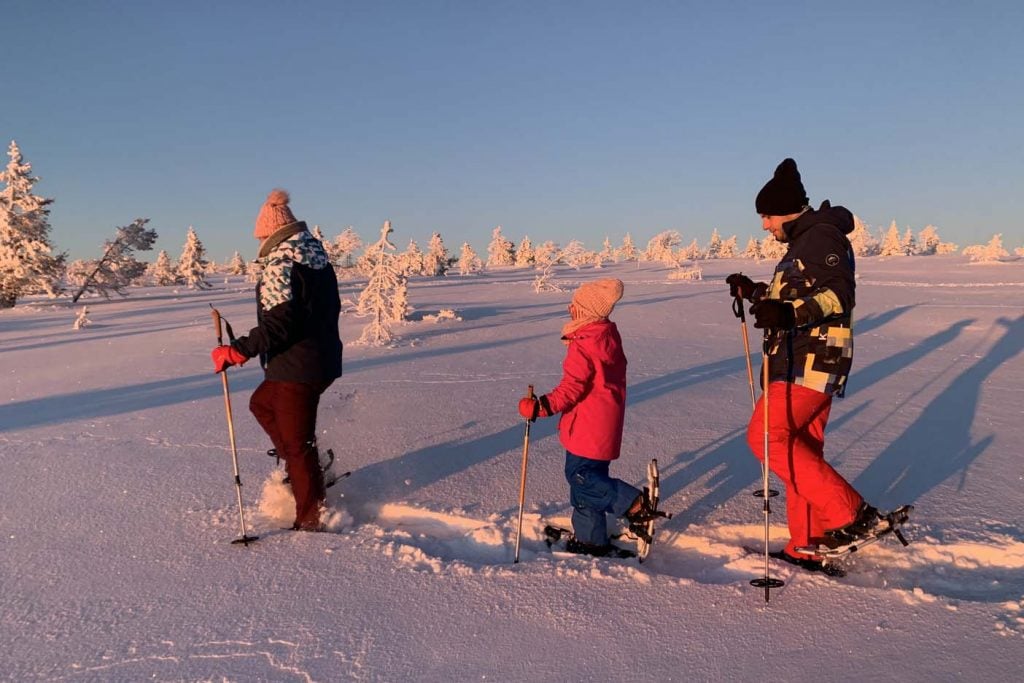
(287, 413)
(817, 497)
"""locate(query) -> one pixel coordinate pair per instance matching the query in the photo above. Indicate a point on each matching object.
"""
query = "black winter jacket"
(817, 276)
(297, 310)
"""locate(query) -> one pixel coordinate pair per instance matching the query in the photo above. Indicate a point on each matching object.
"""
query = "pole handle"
(216, 324)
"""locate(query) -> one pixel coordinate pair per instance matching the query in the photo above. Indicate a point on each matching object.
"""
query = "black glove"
(773, 314)
(741, 285)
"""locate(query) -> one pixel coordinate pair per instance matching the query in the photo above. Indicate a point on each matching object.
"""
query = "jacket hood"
(837, 216)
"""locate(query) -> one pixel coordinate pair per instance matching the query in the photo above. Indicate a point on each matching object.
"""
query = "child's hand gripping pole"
(522, 478)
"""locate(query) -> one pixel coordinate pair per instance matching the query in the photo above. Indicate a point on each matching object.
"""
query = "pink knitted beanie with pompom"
(274, 214)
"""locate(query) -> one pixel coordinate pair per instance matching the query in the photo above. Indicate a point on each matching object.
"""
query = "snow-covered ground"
(118, 503)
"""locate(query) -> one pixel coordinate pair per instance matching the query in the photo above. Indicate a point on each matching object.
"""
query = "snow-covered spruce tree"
(660, 247)
(435, 262)
(410, 261)
(163, 271)
(253, 270)
(714, 246)
(237, 265)
(501, 251)
(753, 250)
(928, 241)
(525, 257)
(772, 249)
(385, 298)
(575, 255)
(908, 243)
(607, 253)
(892, 244)
(627, 251)
(728, 248)
(118, 267)
(343, 248)
(192, 262)
(469, 262)
(27, 262)
(861, 239)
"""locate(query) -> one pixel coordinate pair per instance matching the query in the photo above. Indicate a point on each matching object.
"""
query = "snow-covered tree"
(660, 247)
(772, 249)
(385, 298)
(237, 264)
(253, 270)
(192, 262)
(575, 254)
(946, 248)
(753, 250)
(27, 261)
(892, 244)
(692, 252)
(544, 282)
(317, 233)
(525, 256)
(546, 255)
(163, 271)
(82, 320)
(861, 239)
(436, 261)
(714, 246)
(908, 243)
(606, 253)
(993, 251)
(928, 240)
(118, 267)
(501, 251)
(728, 248)
(469, 262)
(410, 261)
(627, 251)
(343, 248)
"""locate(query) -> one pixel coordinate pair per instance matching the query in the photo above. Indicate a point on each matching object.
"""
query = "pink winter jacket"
(592, 393)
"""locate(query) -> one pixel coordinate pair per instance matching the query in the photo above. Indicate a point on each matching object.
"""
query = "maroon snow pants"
(817, 497)
(287, 413)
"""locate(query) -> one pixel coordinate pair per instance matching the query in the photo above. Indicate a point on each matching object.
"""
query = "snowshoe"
(330, 476)
(809, 564)
(553, 535)
(869, 526)
(641, 522)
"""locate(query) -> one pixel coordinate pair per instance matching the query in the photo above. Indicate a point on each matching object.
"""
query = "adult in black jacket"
(296, 338)
(806, 312)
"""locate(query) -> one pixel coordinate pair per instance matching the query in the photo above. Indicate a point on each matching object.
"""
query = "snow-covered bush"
(163, 272)
(692, 273)
(82, 320)
(435, 262)
(525, 257)
(986, 253)
(469, 262)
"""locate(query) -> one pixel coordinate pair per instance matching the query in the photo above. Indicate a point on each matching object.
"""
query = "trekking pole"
(245, 539)
(522, 477)
(765, 493)
(737, 309)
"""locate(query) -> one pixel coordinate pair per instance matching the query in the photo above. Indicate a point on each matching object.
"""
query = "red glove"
(531, 408)
(225, 356)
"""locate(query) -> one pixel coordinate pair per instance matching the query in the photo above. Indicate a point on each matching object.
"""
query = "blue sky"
(559, 120)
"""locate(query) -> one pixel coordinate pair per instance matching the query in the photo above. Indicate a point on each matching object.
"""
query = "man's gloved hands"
(225, 356)
(532, 408)
(773, 314)
(743, 286)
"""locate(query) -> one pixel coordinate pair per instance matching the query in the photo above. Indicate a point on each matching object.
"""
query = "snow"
(119, 503)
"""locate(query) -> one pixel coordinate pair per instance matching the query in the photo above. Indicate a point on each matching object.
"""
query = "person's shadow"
(938, 444)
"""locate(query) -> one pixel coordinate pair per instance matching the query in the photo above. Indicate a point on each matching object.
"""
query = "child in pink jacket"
(592, 400)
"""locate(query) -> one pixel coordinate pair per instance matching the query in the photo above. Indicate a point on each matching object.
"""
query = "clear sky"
(559, 120)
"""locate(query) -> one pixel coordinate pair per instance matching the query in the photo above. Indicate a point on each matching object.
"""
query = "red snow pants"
(287, 413)
(817, 497)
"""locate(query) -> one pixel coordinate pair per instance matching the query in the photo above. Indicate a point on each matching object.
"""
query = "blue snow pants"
(592, 494)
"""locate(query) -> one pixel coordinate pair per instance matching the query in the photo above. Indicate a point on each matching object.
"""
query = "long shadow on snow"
(938, 444)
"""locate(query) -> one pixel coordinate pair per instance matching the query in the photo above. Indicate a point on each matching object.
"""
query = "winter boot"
(574, 545)
(867, 524)
(641, 512)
